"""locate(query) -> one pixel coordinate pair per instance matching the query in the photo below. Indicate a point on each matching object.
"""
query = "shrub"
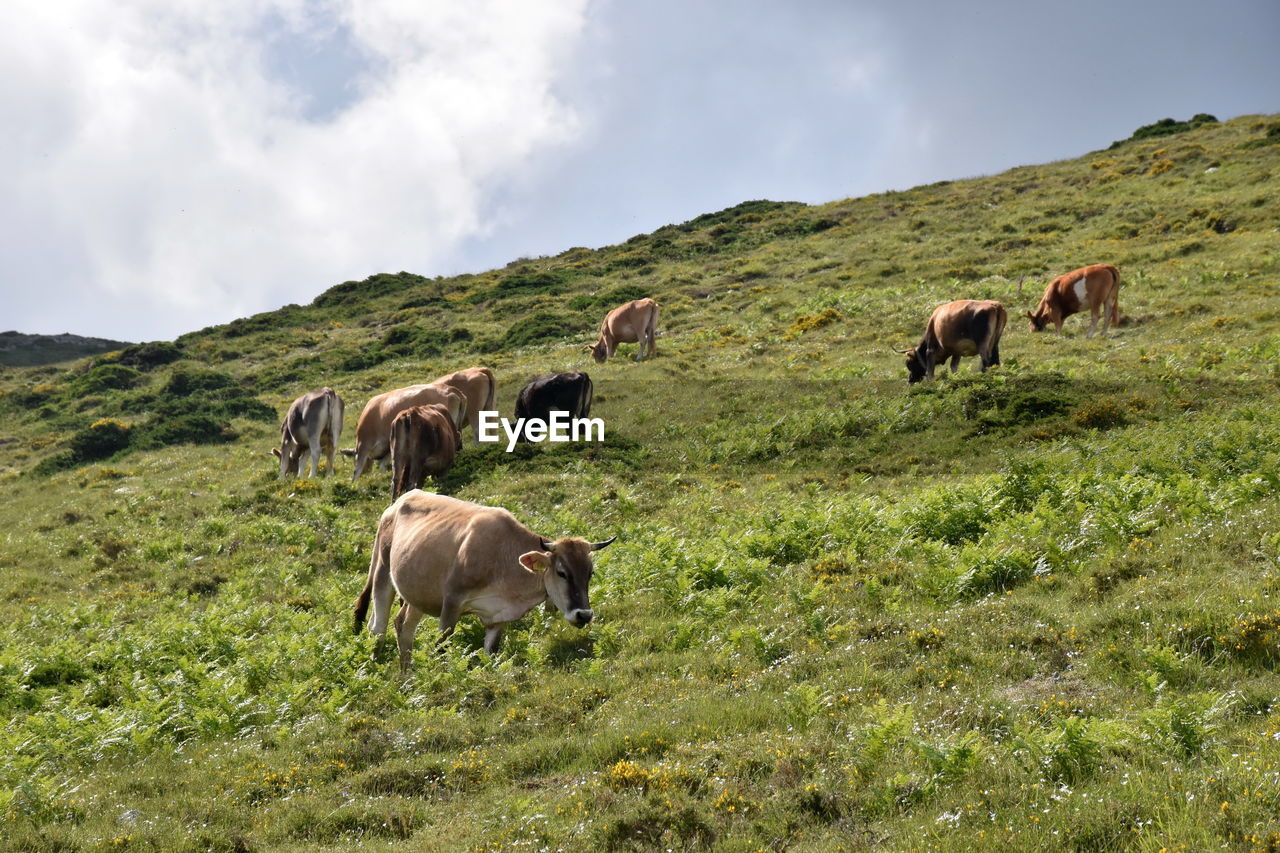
(147, 356)
(184, 382)
(535, 329)
(105, 377)
(1167, 127)
(99, 440)
(375, 285)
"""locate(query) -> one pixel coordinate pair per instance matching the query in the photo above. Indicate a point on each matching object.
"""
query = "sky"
(166, 165)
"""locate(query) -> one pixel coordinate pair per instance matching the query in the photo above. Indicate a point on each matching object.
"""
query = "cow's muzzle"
(580, 618)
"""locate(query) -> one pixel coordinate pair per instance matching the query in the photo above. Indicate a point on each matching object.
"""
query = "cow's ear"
(1030, 316)
(275, 451)
(535, 561)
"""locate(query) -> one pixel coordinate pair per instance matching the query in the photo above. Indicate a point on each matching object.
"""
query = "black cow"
(564, 392)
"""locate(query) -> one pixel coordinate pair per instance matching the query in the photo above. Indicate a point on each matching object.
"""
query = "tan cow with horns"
(447, 557)
(633, 323)
(962, 328)
(1096, 287)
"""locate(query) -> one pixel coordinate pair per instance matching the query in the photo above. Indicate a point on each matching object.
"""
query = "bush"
(105, 377)
(184, 382)
(99, 440)
(1167, 127)
(375, 285)
(535, 329)
(146, 356)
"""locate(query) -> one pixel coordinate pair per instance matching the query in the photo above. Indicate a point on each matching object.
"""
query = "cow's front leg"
(493, 637)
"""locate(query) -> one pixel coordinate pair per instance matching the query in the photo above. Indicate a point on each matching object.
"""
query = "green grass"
(1032, 609)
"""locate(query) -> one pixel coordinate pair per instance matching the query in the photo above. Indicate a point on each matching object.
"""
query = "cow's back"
(443, 545)
(378, 413)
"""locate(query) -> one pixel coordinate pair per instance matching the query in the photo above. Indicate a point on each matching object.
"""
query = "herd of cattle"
(447, 557)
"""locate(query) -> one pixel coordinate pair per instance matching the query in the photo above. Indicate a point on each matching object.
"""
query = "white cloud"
(153, 136)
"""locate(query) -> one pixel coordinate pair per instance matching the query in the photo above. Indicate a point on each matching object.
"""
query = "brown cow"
(479, 388)
(962, 328)
(447, 557)
(1096, 286)
(314, 423)
(373, 430)
(424, 440)
(633, 323)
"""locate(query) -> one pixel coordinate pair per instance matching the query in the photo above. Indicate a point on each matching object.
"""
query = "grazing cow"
(479, 388)
(564, 392)
(424, 440)
(633, 323)
(313, 423)
(961, 328)
(447, 557)
(1096, 287)
(373, 430)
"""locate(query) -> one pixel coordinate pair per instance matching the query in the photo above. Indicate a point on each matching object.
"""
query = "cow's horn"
(900, 351)
(544, 544)
(596, 546)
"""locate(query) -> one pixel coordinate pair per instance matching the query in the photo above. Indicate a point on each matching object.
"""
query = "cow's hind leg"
(406, 624)
(493, 637)
(955, 363)
(450, 613)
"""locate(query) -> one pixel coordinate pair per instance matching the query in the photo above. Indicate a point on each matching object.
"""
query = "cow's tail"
(335, 417)
(379, 576)
(998, 320)
(492, 397)
(1115, 295)
(400, 454)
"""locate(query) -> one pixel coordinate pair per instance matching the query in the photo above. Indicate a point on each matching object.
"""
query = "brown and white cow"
(962, 328)
(479, 388)
(373, 430)
(633, 323)
(1096, 287)
(447, 557)
(424, 441)
(313, 423)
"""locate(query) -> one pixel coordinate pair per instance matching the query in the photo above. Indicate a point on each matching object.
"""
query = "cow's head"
(599, 351)
(916, 369)
(566, 569)
(1038, 320)
(289, 454)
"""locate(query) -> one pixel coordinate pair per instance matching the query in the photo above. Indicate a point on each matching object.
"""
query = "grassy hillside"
(1030, 609)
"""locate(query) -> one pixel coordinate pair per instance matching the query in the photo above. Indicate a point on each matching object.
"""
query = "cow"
(633, 323)
(961, 328)
(424, 441)
(447, 557)
(565, 392)
(313, 423)
(1096, 287)
(373, 430)
(479, 388)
